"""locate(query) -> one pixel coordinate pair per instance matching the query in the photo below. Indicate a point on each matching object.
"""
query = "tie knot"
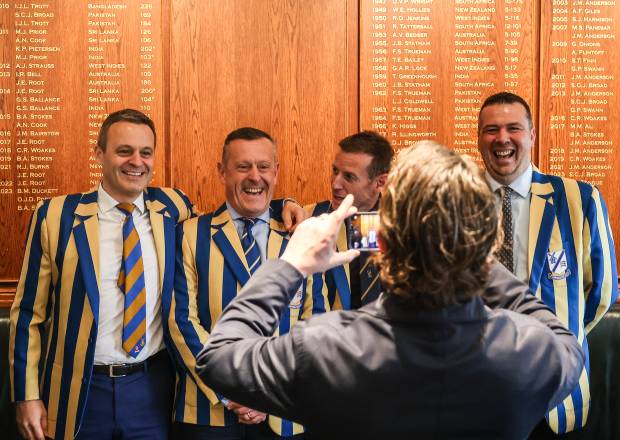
(504, 191)
(126, 208)
(248, 222)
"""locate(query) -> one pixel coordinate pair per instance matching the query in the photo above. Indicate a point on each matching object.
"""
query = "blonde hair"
(439, 224)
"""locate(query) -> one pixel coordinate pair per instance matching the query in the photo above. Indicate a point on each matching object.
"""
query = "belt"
(121, 370)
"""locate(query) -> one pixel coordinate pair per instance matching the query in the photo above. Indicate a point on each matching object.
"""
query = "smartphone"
(363, 228)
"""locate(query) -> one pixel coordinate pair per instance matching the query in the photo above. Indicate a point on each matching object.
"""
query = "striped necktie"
(504, 253)
(131, 283)
(250, 247)
(369, 279)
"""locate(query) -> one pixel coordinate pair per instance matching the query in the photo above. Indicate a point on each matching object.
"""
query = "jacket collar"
(393, 308)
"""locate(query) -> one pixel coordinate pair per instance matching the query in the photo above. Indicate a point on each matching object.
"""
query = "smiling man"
(557, 237)
(87, 346)
(360, 167)
(217, 253)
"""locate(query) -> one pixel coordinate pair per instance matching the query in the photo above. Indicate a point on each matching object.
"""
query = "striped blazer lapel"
(541, 224)
(341, 274)
(227, 240)
(162, 225)
(278, 238)
(86, 234)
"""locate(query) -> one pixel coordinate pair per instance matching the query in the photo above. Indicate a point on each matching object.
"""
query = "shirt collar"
(265, 216)
(521, 185)
(106, 202)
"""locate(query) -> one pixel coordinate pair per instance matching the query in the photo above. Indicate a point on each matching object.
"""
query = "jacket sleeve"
(29, 310)
(186, 331)
(241, 359)
(184, 206)
(600, 274)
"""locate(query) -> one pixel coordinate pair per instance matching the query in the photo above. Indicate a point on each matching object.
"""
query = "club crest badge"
(558, 265)
(296, 301)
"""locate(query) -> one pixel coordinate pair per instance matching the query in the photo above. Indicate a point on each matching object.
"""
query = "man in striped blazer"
(87, 348)
(360, 168)
(216, 255)
(556, 238)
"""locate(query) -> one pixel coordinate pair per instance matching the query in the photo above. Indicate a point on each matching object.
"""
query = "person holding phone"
(437, 355)
(360, 168)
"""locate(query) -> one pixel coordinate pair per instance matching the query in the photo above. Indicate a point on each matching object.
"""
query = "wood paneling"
(579, 127)
(425, 67)
(64, 66)
(287, 67)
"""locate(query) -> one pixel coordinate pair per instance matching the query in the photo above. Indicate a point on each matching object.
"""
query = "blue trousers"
(133, 407)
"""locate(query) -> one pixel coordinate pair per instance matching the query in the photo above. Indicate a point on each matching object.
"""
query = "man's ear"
(380, 242)
(381, 179)
(220, 171)
(99, 155)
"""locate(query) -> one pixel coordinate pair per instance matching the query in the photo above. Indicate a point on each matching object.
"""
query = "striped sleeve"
(187, 333)
(29, 310)
(600, 271)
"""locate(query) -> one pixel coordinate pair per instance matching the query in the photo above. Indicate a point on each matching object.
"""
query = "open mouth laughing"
(504, 153)
(133, 173)
(253, 191)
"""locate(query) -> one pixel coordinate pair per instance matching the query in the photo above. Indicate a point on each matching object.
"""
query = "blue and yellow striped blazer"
(210, 271)
(56, 309)
(572, 268)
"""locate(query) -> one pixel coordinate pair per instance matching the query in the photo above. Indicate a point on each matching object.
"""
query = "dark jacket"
(388, 370)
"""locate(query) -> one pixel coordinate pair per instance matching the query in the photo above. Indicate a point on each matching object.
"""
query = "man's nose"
(253, 173)
(135, 158)
(502, 136)
(336, 182)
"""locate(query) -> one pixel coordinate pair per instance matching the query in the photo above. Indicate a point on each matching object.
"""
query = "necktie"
(504, 254)
(131, 283)
(369, 279)
(250, 247)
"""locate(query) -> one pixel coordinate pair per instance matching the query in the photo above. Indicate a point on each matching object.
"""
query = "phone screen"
(363, 231)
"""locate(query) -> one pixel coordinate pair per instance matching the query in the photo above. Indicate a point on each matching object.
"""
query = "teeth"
(503, 153)
(133, 173)
(253, 190)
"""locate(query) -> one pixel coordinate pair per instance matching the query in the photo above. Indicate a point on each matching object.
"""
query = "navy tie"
(250, 247)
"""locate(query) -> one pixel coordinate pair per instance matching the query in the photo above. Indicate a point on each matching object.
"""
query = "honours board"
(63, 67)
(426, 66)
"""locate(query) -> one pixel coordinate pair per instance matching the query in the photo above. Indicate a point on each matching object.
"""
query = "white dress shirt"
(109, 349)
(520, 204)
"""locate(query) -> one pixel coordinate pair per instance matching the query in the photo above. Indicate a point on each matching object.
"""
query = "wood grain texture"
(287, 67)
(426, 68)
(579, 126)
(89, 37)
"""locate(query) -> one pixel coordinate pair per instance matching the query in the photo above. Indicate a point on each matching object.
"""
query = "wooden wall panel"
(579, 125)
(426, 66)
(64, 66)
(286, 67)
